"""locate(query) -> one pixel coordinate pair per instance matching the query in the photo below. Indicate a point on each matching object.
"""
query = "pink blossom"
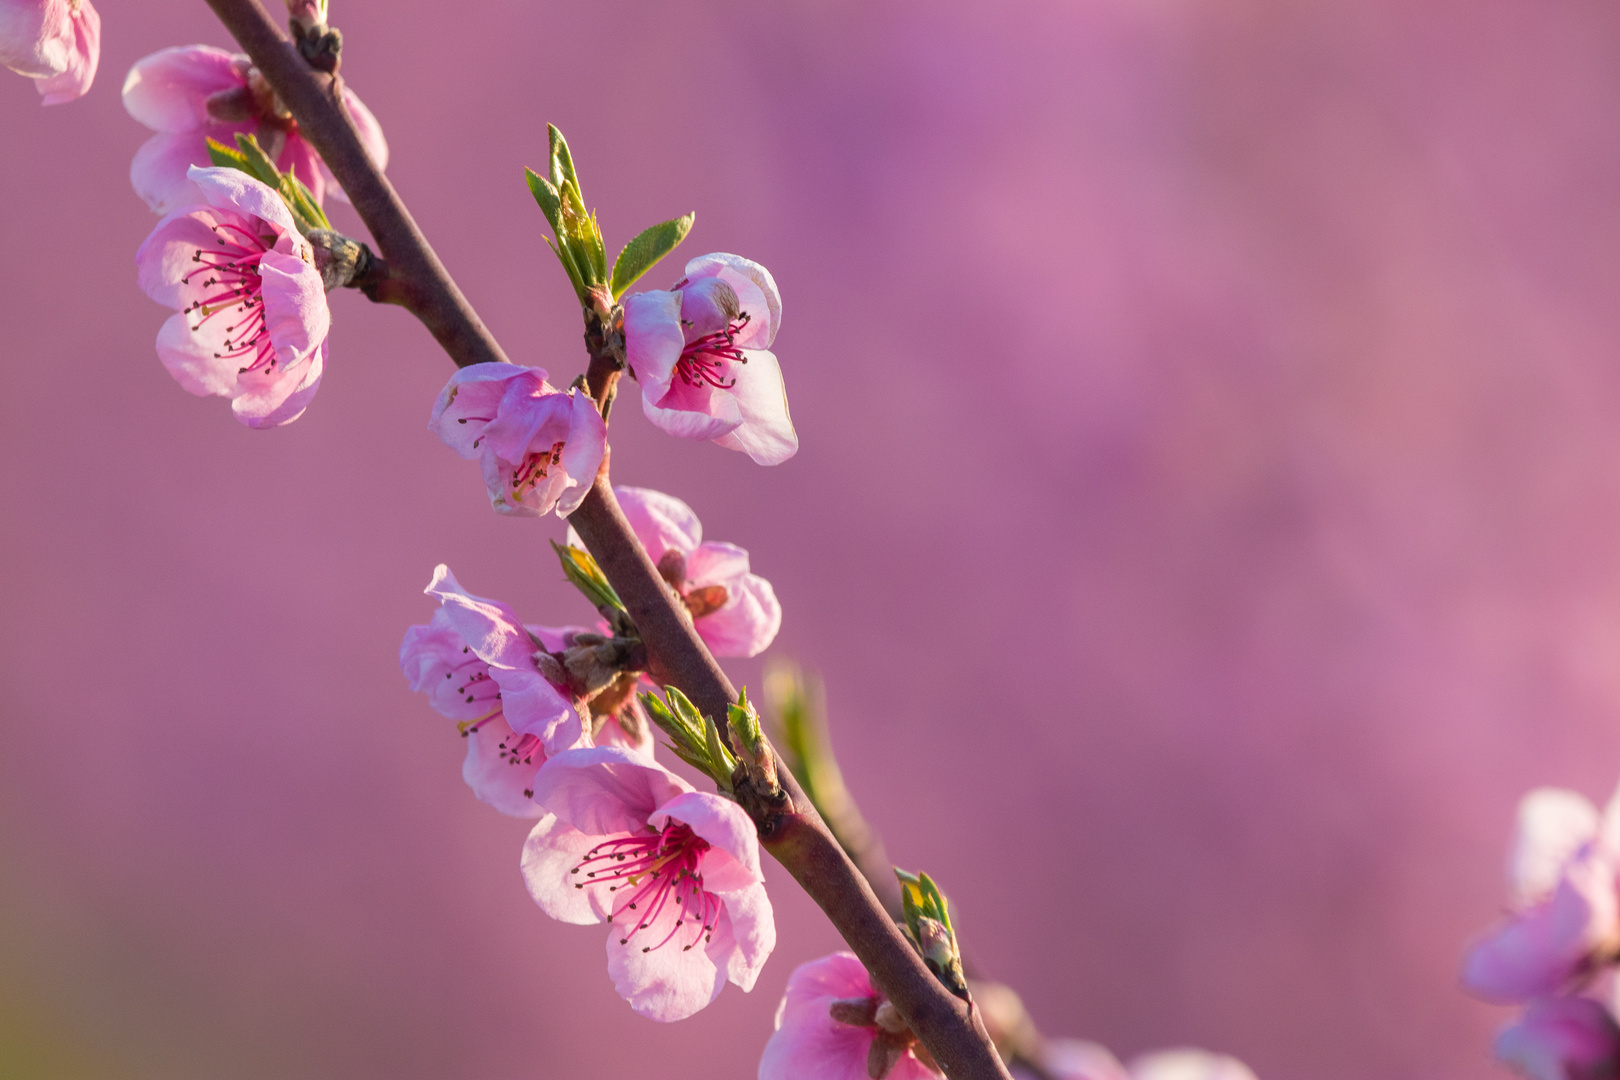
(252, 319)
(833, 1024)
(676, 871)
(1077, 1059)
(1566, 1038)
(735, 612)
(540, 447)
(1562, 876)
(1188, 1064)
(57, 43)
(701, 352)
(189, 94)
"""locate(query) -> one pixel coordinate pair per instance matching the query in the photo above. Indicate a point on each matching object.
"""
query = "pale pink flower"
(701, 352)
(252, 319)
(734, 611)
(57, 43)
(833, 1024)
(540, 447)
(1562, 874)
(1566, 1038)
(1077, 1059)
(676, 872)
(1188, 1064)
(189, 94)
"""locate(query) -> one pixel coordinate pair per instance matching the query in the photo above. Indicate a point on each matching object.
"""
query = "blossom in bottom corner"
(1566, 1038)
(57, 43)
(833, 1024)
(476, 663)
(1077, 1059)
(676, 872)
(252, 319)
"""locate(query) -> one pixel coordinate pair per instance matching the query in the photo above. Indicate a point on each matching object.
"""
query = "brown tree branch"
(790, 829)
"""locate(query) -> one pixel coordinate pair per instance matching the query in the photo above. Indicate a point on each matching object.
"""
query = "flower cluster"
(1557, 953)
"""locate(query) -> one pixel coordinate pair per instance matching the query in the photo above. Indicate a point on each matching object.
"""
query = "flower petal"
(470, 400)
(534, 707)
(489, 627)
(1561, 1038)
(1076, 1059)
(495, 778)
(605, 790)
(747, 624)
(554, 848)
(83, 57)
(1552, 825)
(582, 453)
(750, 934)
(667, 983)
(661, 522)
(437, 662)
(158, 172)
(732, 861)
(194, 357)
(169, 90)
(690, 411)
(808, 1043)
(371, 136)
(1188, 1064)
(233, 189)
(652, 335)
(35, 37)
(766, 433)
(295, 311)
(276, 402)
(734, 270)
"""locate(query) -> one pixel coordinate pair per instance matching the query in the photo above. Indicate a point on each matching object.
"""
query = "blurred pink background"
(1208, 522)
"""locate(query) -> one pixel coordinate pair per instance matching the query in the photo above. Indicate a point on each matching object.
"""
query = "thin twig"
(791, 831)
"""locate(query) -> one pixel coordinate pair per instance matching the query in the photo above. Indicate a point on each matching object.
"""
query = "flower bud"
(752, 750)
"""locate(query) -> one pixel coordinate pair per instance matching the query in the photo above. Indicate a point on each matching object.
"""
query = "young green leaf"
(260, 167)
(562, 162)
(642, 253)
(583, 573)
(225, 158)
(545, 193)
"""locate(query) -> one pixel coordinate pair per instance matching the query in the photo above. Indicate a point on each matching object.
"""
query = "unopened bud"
(751, 748)
(939, 952)
(307, 14)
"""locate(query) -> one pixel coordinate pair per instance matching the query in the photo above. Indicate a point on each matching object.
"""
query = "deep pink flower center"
(532, 469)
(234, 291)
(704, 359)
(649, 872)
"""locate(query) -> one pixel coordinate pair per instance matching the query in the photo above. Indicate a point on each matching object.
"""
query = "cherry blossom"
(1570, 1038)
(1562, 871)
(734, 611)
(833, 1024)
(189, 94)
(701, 352)
(676, 872)
(252, 316)
(540, 447)
(57, 43)
(1077, 1059)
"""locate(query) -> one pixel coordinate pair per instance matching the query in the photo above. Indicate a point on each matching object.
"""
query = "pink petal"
(169, 90)
(35, 37)
(1552, 825)
(295, 311)
(1542, 950)
(489, 627)
(1188, 1064)
(808, 1043)
(554, 848)
(613, 733)
(1562, 1039)
(582, 454)
(750, 934)
(690, 411)
(748, 622)
(605, 790)
(732, 861)
(233, 189)
(1075, 1059)
(667, 983)
(83, 57)
(158, 172)
(766, 433)
(192, 357)
(165, 260)
(652, 335)
(469, 401)
(534, 707)
(438, 663)
(661, 522)
(281, 400)
(497, 781)
(740, 273)
(531, 415)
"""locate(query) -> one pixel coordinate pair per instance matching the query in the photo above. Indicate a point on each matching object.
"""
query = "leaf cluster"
(693, 737)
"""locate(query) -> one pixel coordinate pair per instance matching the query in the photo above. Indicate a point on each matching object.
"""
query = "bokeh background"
(1208, 523)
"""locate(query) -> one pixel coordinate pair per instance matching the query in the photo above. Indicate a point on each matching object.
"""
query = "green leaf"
(260, 167)
(582, 571)
(545, 193)
(225, 158)
(562, 162)
(642, 253)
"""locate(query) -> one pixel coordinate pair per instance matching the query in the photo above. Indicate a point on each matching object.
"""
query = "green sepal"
(642, 253)
(249, 157)
(584, 574)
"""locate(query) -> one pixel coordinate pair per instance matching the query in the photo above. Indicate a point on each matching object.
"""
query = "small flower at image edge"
(539, 447)
(57, 43)
(1562, 871)
(1569, 1038)
(833, 1024)
(735, 612)
(189, 94)
(475, 663)
(701, 352)
(252, 319)
(674, 870)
